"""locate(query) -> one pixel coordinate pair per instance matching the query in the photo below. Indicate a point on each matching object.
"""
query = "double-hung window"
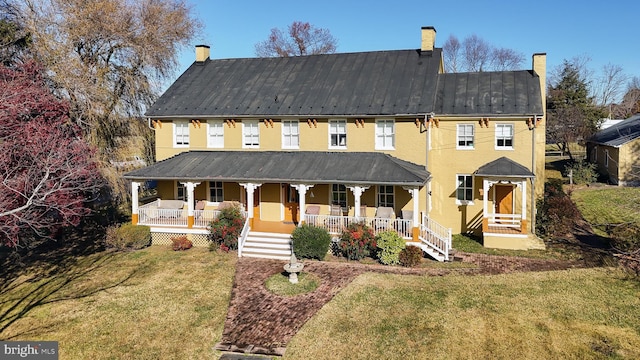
(464, 189)
(215, 134)
(504, 136)
(385, 135)
(181, 134)
(339, 195)
(290, 134)
(250, 134)
(181, 191)
(465, 136)
(338, 134)
(216, 193)
(385, 195)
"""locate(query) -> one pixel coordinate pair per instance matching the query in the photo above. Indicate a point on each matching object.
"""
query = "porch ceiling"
(504, 167)
(311, 167)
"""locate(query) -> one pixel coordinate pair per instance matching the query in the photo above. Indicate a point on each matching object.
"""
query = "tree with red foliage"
(47, 171)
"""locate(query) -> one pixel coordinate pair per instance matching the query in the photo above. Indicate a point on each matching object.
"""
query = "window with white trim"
(250, 134)
(385, 134)
(606, 158)
(339, 195)
(504, 136)
(290, 134)
(464, 188)
(385, 195)
(465, 136)
(181, 191)
(215, 134)
(216, 193)
(338, 134)
(181, 134)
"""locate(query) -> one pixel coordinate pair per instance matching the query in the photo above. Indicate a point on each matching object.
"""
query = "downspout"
(533, 179)
(426, 161)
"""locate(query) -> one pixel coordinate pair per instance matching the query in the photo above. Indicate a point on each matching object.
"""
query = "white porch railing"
(435, 236)
(505, 220)
(149, 214)
(335, 224)
(243, 236)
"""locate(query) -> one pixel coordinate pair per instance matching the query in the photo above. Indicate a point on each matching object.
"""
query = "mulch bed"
(260, 322)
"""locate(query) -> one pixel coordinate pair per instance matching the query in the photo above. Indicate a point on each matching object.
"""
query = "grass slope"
(612, 205)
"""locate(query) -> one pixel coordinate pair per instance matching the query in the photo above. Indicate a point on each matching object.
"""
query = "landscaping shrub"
(226, 228)
(357, 241)
(626, 237)
(557, 213)
(583, 172)
(128, 236)
(181, 243)
(389, 244)
(410, 256)
(310, 242)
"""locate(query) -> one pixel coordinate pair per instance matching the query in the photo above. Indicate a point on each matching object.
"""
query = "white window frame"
(338, 127)
(385, 134)
(465, 188)
(215, 134)
(215, 187)
(181, 188)
(339, 189)
(500, 136)
(250, 134)
(382, 193)
(463, 135)
(291, 132)
(180, 139)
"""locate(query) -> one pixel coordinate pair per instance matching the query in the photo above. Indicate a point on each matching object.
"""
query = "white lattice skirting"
(158, 238)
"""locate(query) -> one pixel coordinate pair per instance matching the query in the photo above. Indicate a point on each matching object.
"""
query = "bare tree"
(630, 103)
(301, 38)
(476, 54)
(608, 86)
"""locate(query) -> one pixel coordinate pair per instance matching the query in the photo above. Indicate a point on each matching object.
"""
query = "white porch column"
(524, 205)
(250, 188)
(485, 204)
(357, 194)
(190, 186)
(134, 202)
(415, 191)
(302, 195)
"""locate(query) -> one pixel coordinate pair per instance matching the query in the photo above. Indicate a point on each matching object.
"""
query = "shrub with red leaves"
(357, 241)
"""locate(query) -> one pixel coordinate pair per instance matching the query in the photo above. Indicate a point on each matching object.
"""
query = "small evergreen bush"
(357, 241)
(410, 256)
(310, 242)
(582, 172)
(389, 244)
(226, 228)
(128, 237)
(181, 243)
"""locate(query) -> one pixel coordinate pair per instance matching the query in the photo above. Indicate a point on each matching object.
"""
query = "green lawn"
(610, 205)
(160, 304)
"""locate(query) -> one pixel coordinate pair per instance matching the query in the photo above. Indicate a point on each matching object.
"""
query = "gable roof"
(380, 83)
(315, 167)
(504, 167)
(620, 133)
(484, 93)
(397, 82)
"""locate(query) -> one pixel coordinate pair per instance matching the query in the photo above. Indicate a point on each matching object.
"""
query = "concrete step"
(267, 246)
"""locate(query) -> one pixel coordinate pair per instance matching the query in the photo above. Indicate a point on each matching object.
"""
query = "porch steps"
(428, 250)
(267, 245)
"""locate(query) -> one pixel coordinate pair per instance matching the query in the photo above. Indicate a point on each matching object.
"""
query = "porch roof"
(311, 167)
(504, 167)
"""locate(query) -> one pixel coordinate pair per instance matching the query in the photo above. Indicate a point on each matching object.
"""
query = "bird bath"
(293, 268)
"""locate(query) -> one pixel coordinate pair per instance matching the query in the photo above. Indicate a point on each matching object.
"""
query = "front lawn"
(609, 205)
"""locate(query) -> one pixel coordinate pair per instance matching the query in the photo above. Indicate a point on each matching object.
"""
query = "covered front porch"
(379, 190)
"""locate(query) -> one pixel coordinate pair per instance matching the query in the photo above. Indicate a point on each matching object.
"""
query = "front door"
(504, 199)
(291, 203)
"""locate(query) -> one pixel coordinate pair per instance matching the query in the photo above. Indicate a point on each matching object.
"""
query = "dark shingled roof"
(379, 83)
(503, 167)
(619, 134)
(315, 167)
(489, 93)
(398, 82)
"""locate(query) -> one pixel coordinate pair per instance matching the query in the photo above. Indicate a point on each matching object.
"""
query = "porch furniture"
(384, 218)
(313, 210)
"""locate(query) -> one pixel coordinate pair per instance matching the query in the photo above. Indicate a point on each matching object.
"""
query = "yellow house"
(384, 137)
(616, 151)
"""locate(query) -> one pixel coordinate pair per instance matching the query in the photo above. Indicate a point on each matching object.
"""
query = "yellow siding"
(270, 202)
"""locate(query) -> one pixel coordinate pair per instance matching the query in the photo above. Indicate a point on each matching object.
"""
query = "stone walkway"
(259, 322)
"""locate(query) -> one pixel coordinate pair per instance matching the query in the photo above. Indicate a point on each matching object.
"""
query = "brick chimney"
(428, 38)
(539, 66)
(202, 53)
